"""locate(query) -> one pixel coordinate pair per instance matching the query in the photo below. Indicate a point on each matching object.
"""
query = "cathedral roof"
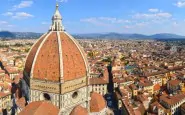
(40, 108)
(97, 102)
(57, 14)
(79, 110)
(56, 56)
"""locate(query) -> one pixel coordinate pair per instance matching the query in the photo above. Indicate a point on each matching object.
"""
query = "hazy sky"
(95, 16)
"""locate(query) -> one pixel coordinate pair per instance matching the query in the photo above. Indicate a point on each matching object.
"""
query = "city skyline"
(57, 74)
(122, 16)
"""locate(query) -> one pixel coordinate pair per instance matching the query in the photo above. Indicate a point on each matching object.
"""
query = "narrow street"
(110, 97)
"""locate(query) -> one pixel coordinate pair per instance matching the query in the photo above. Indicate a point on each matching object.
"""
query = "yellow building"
(134, 90)
(164, 81)
(146, 86)
(149, 89)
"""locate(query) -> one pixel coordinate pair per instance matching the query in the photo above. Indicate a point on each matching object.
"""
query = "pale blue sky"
(95, 16)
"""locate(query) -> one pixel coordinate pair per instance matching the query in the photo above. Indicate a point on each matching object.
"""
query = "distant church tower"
(56, 69)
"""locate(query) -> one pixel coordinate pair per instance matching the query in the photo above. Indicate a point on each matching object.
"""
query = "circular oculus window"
(75, 95)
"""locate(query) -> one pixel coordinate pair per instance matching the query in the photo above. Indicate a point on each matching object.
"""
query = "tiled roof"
(145, 83)
(96, 80)
(97, 102)
(171, 100)
(133, 87)
(31, 55)
(157, 87)
(79, 110)
(40, 108)
(156, 104)
(174, 82)
(73, 62)
(50, 55)
(47, 65)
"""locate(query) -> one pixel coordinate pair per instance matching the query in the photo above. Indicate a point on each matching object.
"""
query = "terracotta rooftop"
(79, 110)
(133, 87)
(171, 100)
(145, 83)
(142, 98)
(156, 73)
(40, 108)
(157, 87)
(47, 64)
(128, 106)
(73, 62)
(97, 102)
(95, 80)
(31, 55)
(156, 104)
(174, 82)
(122, 80)
(176, 68)
(47, 61)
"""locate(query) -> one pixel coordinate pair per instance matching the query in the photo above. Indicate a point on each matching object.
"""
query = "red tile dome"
(55, 56)
(40, 108)
(97, 102)
(79, 110)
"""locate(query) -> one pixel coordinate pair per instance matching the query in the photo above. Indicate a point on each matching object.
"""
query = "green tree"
(90, 54)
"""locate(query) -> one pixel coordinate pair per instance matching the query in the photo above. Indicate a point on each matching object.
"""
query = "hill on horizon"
(22, 35)
(7, 34)
(130, 36)
(111, 35)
